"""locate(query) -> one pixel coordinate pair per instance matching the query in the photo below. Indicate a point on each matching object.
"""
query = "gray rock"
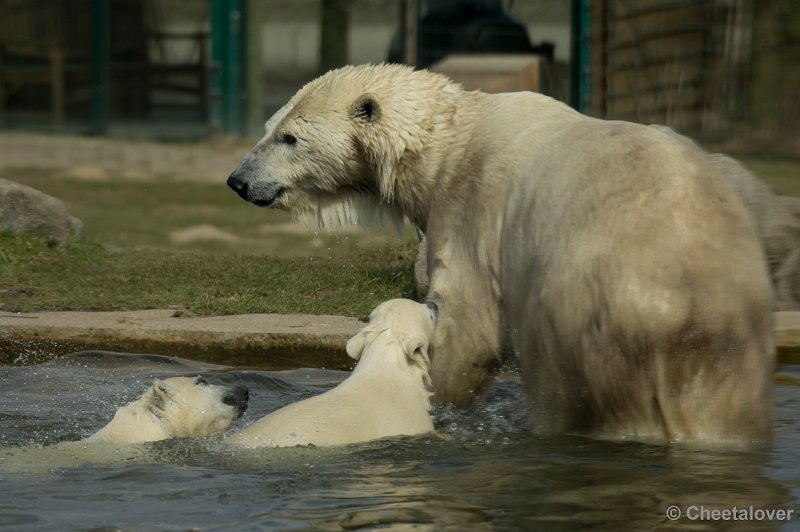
(27, 211)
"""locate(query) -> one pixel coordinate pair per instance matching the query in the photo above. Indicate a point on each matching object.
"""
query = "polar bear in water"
(177, 407)
(387, 394)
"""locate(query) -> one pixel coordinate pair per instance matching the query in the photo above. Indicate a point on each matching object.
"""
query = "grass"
(130, 258)
(87, 276)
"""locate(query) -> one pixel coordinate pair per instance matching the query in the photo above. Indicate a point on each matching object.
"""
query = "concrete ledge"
(269, 341)
(266, 341)
(787, 336)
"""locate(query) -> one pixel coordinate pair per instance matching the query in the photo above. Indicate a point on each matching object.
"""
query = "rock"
(27, 211)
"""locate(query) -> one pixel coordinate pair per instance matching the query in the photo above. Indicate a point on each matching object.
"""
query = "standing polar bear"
(775, 217)
(609, 255)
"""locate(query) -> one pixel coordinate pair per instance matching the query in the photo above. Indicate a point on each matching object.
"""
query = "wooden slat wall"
(652, 60)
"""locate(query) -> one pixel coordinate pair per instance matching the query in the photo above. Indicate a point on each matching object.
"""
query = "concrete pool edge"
(272, 341)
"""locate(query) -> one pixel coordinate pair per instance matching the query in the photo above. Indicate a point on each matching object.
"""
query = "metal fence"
(713, 68)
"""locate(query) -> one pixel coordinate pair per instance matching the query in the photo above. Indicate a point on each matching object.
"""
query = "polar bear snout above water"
(178, 407)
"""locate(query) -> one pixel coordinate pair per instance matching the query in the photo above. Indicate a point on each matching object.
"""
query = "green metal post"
(254, 68)
(218, 39)
(586, 55)
(580, 68)
(100, 50)
(411, 27)
(226, 65)
(233, 79)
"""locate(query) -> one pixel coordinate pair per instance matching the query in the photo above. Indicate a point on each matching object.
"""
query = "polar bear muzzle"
(237, 397)
(258, 193)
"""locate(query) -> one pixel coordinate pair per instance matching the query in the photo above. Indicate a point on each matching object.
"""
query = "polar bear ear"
(355, 345)
(366, 108)
(416, 349)
(158, 398)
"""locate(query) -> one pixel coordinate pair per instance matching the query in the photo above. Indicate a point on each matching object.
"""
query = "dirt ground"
(96, 158)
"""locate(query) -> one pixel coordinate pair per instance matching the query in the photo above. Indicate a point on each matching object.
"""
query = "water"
(483, 472)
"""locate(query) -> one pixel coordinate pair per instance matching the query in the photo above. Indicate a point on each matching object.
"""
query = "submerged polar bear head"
(337, 152)
(178, 407)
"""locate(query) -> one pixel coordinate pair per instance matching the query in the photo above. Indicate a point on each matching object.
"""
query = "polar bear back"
(638, 265)
(358, 409)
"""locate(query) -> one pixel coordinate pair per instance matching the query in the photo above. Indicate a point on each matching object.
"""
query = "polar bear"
(609, 255)
(387, 394)
(177, 407)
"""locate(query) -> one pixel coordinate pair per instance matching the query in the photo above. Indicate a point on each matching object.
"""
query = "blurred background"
(718, 69)
(107, 104)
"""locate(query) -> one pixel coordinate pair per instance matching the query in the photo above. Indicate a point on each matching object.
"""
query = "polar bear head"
(189, 407)
(398, 322)
(177, 407)
(351, 146)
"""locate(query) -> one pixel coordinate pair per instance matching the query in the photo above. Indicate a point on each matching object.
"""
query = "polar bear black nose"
(236, 396)
(238, 184)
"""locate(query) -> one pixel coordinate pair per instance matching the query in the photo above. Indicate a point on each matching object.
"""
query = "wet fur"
(777, 225)
(387, 394)
(176, 407)
(612, 257)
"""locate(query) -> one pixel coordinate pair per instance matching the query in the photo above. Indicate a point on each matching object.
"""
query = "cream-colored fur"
(387, 393)
(777, 225)
(178, 407)
(611, 256)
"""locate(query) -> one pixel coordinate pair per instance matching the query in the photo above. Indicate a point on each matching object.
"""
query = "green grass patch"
(241, 259)
(86, 276)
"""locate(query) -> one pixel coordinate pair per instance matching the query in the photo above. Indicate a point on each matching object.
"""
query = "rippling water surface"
(484, 471)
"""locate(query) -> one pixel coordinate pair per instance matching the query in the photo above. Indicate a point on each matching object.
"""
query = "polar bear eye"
(288, 138)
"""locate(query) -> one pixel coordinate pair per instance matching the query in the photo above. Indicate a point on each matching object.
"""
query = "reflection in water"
(483, 471)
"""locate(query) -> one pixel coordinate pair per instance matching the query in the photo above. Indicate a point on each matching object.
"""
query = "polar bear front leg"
(464, 359)
(465, 351)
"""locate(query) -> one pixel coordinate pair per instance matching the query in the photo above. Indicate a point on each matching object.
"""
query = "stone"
(27, 211)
